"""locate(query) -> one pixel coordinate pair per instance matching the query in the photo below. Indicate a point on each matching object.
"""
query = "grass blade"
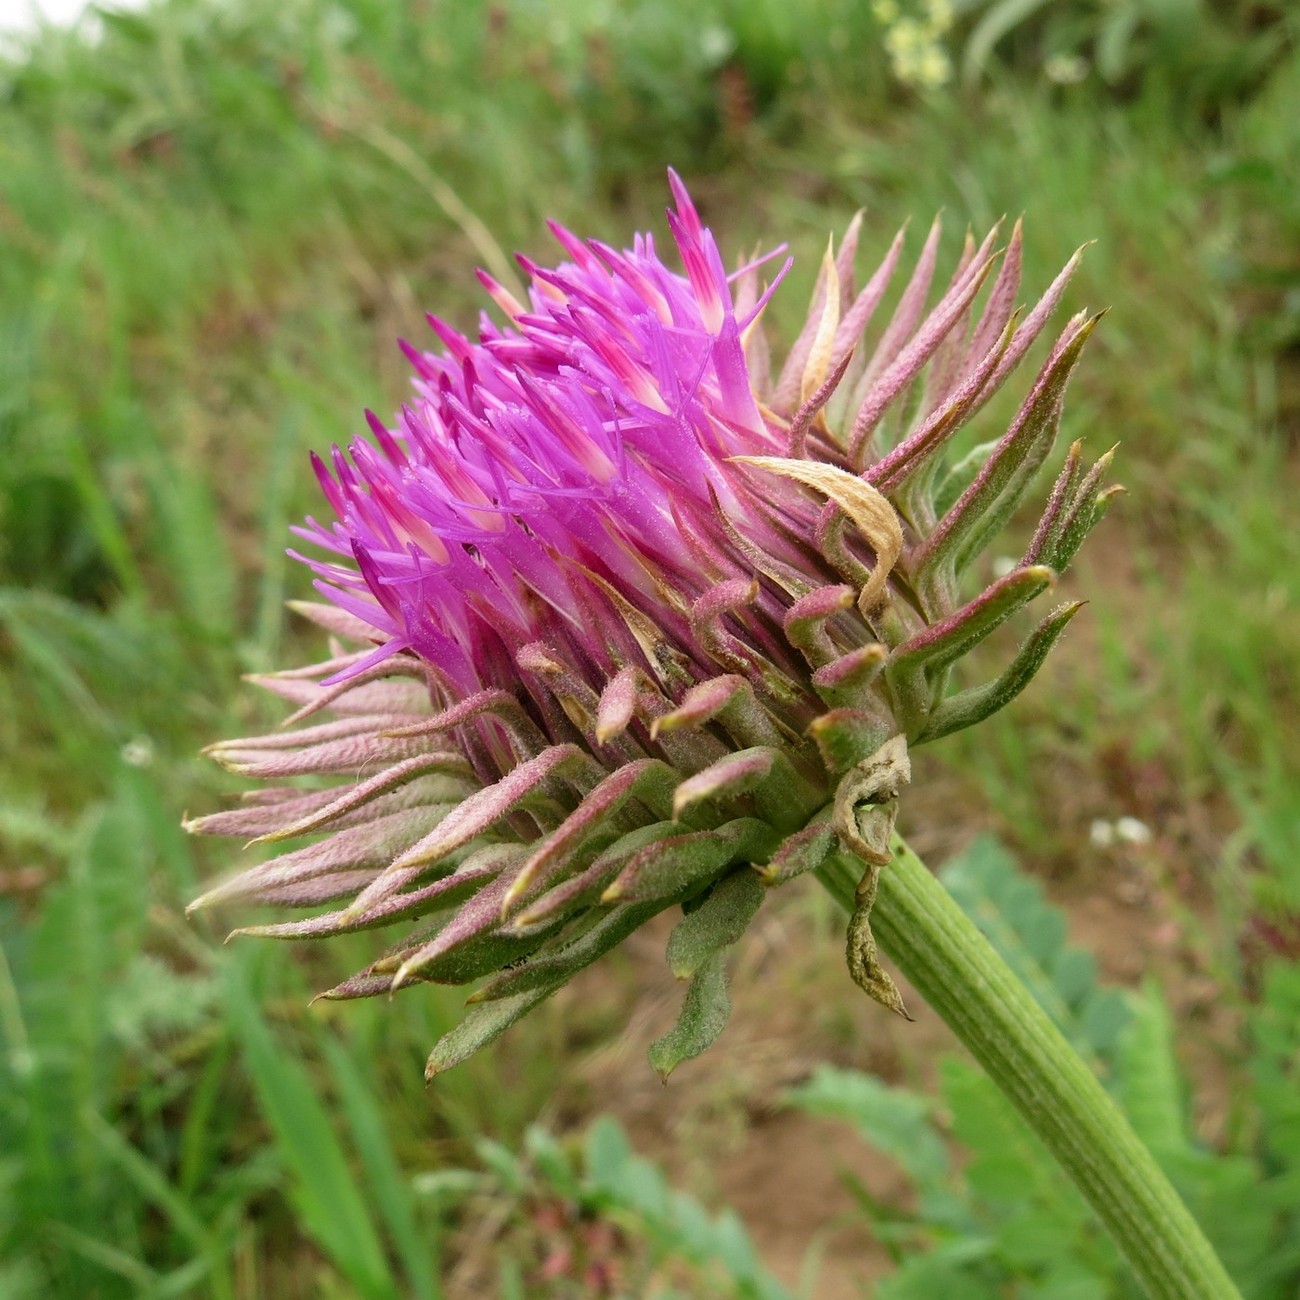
(322, 1187)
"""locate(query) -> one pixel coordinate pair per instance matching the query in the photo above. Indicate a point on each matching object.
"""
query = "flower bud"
(639, 625)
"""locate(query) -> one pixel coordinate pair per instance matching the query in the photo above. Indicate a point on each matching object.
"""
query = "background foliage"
(215, 219)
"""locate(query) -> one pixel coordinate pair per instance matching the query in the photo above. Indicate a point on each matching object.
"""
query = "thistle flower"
(642, 625)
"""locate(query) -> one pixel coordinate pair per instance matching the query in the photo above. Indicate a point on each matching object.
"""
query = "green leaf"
(606, 1152)
(387, 1186)
(973, 705)
(1149, 1084)
(567, 954)
(1008, 1167)
(1036, 1239)
(803, 851)
(503, 1164)
(703, 1017)
(733, 1245)
(1030, 934)
(1066, 1282)
(716, 924)
(642, 1187)
(551, 1161)
(923, 1277)
(483, 1023)
(668, 868)
(895, 1121)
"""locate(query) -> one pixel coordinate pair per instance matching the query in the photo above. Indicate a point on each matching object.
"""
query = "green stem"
(957, 971)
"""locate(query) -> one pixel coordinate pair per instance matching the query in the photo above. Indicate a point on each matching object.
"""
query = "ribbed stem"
(961, 976)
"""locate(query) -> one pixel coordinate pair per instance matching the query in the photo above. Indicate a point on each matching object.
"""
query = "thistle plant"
(624, 617)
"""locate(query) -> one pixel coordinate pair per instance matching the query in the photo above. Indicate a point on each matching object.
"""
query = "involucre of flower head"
(636, 613)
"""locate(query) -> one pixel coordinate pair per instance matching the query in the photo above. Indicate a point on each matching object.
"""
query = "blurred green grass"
(216, 219)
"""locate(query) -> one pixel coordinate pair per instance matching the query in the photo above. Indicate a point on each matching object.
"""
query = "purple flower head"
(643, 623)
(580, 443)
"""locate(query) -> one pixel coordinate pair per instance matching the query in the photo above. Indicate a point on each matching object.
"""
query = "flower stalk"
(962, 978)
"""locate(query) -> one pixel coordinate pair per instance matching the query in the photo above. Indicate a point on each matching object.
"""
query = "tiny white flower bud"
(1132, 830)
(1101, 834)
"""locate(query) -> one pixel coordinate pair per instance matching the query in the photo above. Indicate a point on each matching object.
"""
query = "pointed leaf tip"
(485, 1022)
(704, 1015)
